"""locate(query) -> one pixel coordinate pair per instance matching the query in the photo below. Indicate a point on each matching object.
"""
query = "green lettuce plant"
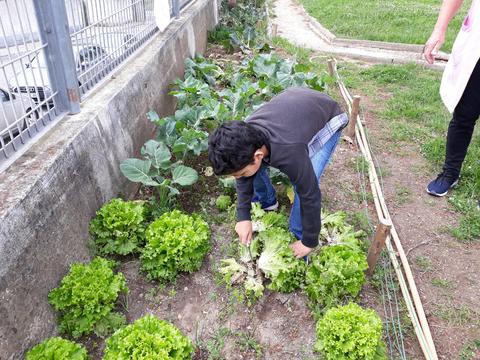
(243, 273)
(148, 338)
(335, 274)
(56, 348)
(232, 271)
(175, 242)
(223, 202)
(118, 227)
(278, 262)
(251, 252)
(336, 231)
(350, 333)
(87, 296)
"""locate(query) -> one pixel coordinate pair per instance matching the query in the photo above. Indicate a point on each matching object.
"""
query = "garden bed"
(219, 320)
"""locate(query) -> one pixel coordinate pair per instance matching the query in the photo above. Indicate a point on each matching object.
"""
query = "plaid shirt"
(335, 124)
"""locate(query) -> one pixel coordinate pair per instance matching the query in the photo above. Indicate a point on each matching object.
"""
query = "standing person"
(296, 132)
(460, 88)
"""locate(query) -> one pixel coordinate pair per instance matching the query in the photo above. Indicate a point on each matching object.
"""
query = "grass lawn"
(414, 113)
(403, 21)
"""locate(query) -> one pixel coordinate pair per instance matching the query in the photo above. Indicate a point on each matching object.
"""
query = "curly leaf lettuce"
(336, 273)
(119, 227)
(57, 348)
(253, 287)
(175, 242)
(231, 270)
(87, 296)
(148, 338)
(278, 262)
(251, 252)
(350, 333)
(336, 231)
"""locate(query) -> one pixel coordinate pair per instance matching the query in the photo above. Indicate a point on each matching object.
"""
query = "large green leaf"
(184, 175)
(153, 116)
(157, 153)
(137, 171)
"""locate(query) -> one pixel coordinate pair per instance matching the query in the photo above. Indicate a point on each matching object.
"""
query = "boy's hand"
(244, 231)
(300, 250)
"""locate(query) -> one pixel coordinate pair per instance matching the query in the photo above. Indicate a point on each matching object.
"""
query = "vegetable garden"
(169, 279)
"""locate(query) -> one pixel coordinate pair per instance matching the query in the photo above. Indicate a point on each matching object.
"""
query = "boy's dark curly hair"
(232, 145)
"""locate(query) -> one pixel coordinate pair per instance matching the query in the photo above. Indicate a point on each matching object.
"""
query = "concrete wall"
(49, 195)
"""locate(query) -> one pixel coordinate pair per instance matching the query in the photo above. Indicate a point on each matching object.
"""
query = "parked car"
(33, 80)
(13, 107)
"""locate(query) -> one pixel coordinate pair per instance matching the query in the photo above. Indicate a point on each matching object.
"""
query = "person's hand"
(300, 250)
(244, 231)
(433, 45)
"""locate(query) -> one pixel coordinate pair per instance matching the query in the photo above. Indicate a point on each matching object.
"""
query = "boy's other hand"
(244, 231)
(300, 250)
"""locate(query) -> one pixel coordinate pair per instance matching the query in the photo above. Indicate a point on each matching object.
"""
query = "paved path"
(300, 29)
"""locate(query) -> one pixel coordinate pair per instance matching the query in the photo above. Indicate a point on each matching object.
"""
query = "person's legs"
(462, 125)
(264, 192)
(459, 136)
(319, 161)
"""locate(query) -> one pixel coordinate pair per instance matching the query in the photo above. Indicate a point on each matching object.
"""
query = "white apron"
(464, 57)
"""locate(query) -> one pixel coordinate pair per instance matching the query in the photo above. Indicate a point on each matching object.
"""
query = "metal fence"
(53, 52)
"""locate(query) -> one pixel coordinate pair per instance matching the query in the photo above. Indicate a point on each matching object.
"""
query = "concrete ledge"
(49, 195)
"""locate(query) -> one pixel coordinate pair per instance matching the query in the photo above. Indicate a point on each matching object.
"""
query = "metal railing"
(54, 52)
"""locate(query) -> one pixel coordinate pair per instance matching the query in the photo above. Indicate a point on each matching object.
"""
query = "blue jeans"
(264, 192)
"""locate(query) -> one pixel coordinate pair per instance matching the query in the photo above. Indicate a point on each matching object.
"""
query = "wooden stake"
(378, 243)
(274, 30)
(353, 118)
(331, 67)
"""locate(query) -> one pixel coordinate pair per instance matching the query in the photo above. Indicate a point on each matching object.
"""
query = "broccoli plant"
(338, 272)
(148, 338)
(86, 298)
(175, 242)
(350, 333)
(56, 348)
(119, 227)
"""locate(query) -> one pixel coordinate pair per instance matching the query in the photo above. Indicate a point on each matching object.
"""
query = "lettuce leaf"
(278, 262)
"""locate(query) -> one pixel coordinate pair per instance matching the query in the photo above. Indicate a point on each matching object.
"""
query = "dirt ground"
(445, 270)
